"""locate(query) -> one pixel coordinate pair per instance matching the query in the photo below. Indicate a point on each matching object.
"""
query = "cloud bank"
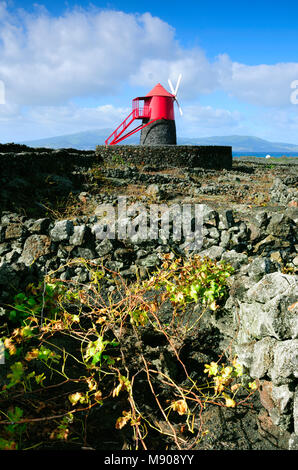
(47, 62)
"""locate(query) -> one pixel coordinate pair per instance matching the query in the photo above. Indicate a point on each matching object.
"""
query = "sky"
(72, 66)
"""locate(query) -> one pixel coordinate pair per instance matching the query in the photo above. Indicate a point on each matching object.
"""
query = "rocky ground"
(250, 220)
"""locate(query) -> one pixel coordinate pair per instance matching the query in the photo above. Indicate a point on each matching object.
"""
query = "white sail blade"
(171, 87)
(179, 107)
(178, 83)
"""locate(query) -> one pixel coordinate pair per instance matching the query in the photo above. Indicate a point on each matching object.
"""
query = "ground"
(249, 188)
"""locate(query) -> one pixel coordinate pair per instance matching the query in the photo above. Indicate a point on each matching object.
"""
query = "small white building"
(268, 156)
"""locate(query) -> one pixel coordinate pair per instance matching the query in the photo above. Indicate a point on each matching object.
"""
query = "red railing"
(138, 112)
(124, 125)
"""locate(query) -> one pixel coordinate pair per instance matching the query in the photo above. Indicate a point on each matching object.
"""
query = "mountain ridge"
(87, 140)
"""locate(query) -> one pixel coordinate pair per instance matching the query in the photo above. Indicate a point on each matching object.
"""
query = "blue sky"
(73, 66)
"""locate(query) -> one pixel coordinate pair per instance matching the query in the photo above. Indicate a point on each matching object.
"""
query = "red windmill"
(156, 110)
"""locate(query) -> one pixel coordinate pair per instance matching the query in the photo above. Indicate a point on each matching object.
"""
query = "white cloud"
(211, 117)
(8, 111)
(280, 125)
(79, 117)
(199, 75)
(261, 85)
(205, 120)
(50, 121)
(2, 92)
(46, 62)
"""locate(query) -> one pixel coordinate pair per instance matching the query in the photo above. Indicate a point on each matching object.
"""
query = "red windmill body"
(157, 105)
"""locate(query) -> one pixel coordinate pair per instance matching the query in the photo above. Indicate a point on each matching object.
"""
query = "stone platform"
(204, 156)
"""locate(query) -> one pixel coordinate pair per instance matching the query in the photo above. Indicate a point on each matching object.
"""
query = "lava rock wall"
(259, 320)
(210, 156)
(18, 160)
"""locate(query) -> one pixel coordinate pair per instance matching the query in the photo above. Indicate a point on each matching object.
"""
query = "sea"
(264, 154)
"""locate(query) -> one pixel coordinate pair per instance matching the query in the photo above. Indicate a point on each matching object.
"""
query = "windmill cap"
(159, 90)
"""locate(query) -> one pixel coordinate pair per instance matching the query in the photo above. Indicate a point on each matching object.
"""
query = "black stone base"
(161, 132)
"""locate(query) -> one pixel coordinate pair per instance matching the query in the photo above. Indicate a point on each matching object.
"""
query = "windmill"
(156, 110)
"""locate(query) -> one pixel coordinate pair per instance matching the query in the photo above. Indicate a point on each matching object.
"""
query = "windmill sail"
(175, 91)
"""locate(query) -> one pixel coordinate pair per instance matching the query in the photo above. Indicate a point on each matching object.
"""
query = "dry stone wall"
(215, 157)
(259, 320)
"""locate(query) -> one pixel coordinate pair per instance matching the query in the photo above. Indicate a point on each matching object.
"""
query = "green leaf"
(15, 415)
(27, 332)
(31, 302)
(8, 445)
(40, 378)
(109, 360)
(13, 315)
(96, 357)
(17, 371)
(46, 354)
(20, 297)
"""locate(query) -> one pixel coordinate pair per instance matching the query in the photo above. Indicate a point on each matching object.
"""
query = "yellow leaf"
(33, 354)
(211, 369)
(123, 420)
(91, 383)
(235, 387)
(98, 395)
(124, 384)
(10, 346)
(117, 390)
(253, 385)
(230, 403)
(218, 385)
(180, 406)
(238, 369)
(226, 372)
(74, 398)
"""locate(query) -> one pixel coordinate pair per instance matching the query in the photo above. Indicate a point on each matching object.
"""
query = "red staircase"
(137, 113)
(120, 129)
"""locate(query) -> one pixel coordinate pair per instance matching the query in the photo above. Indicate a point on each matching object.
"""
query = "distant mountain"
(241, 143)
(89, 139)
(86, 140)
